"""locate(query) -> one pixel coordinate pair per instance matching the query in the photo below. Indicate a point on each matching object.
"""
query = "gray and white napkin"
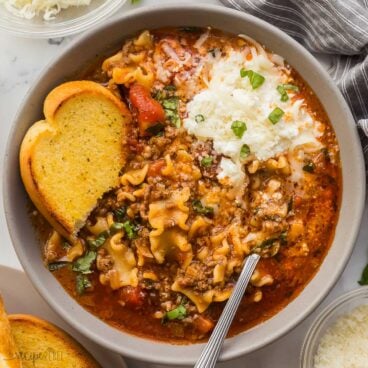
(335, 27)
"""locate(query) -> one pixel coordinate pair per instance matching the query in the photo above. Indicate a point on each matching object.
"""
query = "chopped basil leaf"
(120, 213)
(82, 283)
(206, 161)
(364, 279)
(275, 115)
(238, 127)
(83, 264)
(255, 79)
(284, 96)
(54, 266)
(199, 118)
(130, 229)
(244, 151)
(178, 313)
(100, 240)
(199, 208)
(309, 167)
(155, 129)
(291, 87)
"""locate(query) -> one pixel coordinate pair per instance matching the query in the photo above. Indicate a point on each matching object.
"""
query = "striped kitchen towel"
(335, 27)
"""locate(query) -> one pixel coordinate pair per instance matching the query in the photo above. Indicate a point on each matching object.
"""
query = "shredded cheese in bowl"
(48, 9)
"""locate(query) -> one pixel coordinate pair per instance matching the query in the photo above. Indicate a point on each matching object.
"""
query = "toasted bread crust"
(53, 102)
(82, 358)
(8, 349)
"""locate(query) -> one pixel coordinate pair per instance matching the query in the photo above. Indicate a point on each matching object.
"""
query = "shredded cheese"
(344, 344)
(230, 97)
(48, 9)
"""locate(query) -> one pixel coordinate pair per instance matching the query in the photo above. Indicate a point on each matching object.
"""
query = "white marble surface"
(21, 61)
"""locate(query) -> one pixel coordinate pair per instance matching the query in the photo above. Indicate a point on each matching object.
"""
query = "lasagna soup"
(229, 153)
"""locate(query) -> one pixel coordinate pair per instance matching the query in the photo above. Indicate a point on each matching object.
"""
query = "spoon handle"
(213, 347)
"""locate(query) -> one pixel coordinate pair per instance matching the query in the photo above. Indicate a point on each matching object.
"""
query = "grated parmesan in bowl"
(338, 338)
(53, 18)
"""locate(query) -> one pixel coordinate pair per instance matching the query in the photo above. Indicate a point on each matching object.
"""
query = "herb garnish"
(275, 115)
(255, 79)
(309, 167)
(100, 240)
(82, 283)
(120, 213)
(178, 313)
(282, 88)
(199, 118)
(206, 161)
(83, 264)
(130, 229)
(199, 208)
(238, 127)
(364, 279)
(54, 266)
(244, 151)
(170, 103)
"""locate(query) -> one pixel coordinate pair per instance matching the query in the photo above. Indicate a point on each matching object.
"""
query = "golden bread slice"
(9, 356)
(43, 345)
(70, 159)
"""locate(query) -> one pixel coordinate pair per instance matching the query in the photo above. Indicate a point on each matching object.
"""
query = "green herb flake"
(99, 241)
(120, 213)
(83, 264)
(364, 279)
(244, 151)
(199, 208)
(54, 266)
(290, 87)
(171, 107)
(206, 161)
(116, 226)
(255, 79)
(238, 127)
(309, 167)
(156, 129)
(82, 283)
(65, 245)
(284, 96)
(130, 229)
(275, 115)
(199, 118)
(178, 313)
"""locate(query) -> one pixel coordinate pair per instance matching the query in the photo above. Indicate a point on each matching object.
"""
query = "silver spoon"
(212, 350)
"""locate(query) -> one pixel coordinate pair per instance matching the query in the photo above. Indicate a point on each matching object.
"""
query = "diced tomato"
(150, 111)
(133, 297)
(155, 168)
(203, 324)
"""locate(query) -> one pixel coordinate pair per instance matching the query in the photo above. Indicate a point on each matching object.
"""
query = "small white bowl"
(72, 20)
(343, 305)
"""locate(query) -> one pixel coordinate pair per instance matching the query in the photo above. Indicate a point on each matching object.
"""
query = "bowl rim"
(324, 316)
(159, 347)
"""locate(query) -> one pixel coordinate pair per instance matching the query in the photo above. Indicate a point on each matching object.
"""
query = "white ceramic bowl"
(343, 305)
(69, 21)
(102, 40)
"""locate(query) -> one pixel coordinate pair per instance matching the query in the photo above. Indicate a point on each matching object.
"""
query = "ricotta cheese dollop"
(231, 97)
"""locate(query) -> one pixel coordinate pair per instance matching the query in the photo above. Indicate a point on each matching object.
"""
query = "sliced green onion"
(284, 96)
(199, 208)
(244, 151)
(116, 226)
(199, 118)
(120, 213)
(100, 240)
(291, 87)
(275, 115)
(238, 127)
(178, 313)
(255, 79)
(206, 161)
